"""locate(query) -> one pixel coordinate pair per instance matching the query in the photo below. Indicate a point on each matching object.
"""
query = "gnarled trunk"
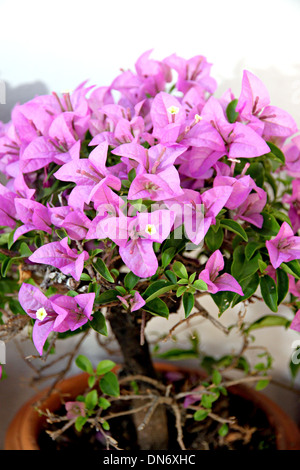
(137, 361)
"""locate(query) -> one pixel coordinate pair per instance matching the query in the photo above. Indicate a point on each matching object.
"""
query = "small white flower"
(197, 118)
(173, 109)
(150, 229)
(41, 314)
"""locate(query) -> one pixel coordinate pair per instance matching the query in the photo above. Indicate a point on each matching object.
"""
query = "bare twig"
(143, 378)
(178, 423)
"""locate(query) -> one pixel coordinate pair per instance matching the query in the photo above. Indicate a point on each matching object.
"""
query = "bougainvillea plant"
(140, 199)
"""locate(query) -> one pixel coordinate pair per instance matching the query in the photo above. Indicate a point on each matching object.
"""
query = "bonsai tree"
(141, 199)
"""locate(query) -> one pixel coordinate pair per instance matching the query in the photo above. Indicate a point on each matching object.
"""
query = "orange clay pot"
(24, 429)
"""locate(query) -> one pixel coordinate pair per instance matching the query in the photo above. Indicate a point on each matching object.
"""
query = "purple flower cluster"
(141, 142)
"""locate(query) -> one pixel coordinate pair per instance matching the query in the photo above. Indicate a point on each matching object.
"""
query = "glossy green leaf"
(292, 267)
(241, 268)
(200, 285)
(269, 292)
(275, 153)
(84, 364)
(269, 321)
(157, 307)
(235, 227)
(109, 384)
(157, 288)
(188, 301)
(167, 256)
(270, 226)
(231, 113)
(91, 400)
(106, 297)
(105, 366)
(102, 269)
(282, 285)
(180, 270)
(223, 300)
(98, 323)
(200, 415)
(251, 248)
(130, 280)
(214, 239)
(249, 287)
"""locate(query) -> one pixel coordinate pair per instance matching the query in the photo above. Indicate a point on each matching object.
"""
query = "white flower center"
(41, 314)
(173, 109)
(150, 229)
(197, 118)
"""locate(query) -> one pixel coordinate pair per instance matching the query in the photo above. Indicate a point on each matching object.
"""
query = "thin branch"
(178, 423)
(143, 378)
(153, 406)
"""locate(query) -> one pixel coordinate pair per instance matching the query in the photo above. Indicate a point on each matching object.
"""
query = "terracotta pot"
(23, 431)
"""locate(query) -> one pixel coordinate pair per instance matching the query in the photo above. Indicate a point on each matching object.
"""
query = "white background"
(55, 45)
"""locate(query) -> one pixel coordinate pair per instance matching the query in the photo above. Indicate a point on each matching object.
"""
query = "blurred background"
(54, 46)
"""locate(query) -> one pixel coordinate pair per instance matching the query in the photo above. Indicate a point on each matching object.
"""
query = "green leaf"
(208, 400)
(98, 323)
(231, 113)
(105, 366)
(91, 381)
(84, 364)
(223, 431)
(235, 227)
(156, 289)
(157, 307)
(262, 266)
(167, 256)
(95, 252)
(121, 290)
(282, 285)
(5, 266)
(171, 276)
(257, 171)
(241, 268)
(105, 426)
(80, 422)
(91, 400)
(200, 285)
(270, 226)
(216, 377)
(101, 268)
(223, 300)
(109, 384)
(261, 384)
(214, 239)
(130, 280)
(269, 292)
(269, 321)
(200, 415)
(25, 251)
(249, 287)
(188, 301)
(178, 354)
(181, 290)
(85, 277)
(251, 248)
(180, 270)
(292, 267)
(103, 403)
(275, 153)
(107, 297)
